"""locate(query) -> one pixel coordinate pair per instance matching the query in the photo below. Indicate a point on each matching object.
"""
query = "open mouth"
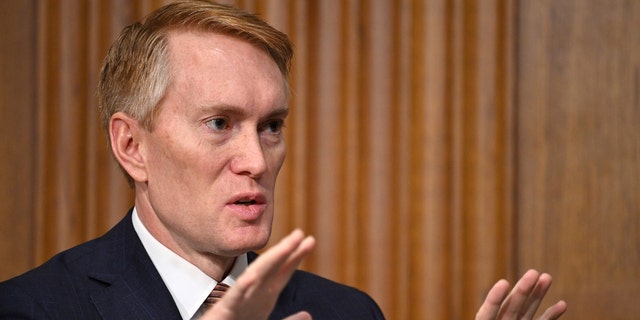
(245, 202)
(248, 200)
(248, 206)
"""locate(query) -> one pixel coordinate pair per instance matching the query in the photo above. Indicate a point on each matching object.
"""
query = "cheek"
(277, 157)
(171, 159)
(163, 161)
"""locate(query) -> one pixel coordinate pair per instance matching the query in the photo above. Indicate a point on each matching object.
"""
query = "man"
(193, 100)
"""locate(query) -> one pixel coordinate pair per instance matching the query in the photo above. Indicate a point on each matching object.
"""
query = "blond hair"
(135, 73)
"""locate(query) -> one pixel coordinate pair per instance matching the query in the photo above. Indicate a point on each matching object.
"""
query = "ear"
(126, 135)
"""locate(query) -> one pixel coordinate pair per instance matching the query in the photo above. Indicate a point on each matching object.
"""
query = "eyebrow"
(280, 112)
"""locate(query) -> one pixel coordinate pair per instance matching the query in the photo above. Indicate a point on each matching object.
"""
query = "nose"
(249, 156)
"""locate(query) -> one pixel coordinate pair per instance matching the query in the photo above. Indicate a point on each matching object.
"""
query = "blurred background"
(434, 146)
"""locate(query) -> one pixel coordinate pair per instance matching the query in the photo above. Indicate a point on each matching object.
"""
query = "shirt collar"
(188, 285)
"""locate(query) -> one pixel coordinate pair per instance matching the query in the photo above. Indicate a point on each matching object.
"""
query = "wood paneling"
(400, 153)
(80, 192)
(579, 152)
(424, 164)
(17, 120)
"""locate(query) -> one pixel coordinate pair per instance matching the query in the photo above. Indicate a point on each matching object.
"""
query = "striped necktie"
(216, 294)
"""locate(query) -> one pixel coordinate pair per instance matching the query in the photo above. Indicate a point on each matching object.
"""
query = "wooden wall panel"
(579, 152)
(17, 120)
(399, 153)
(80, 192)
(400, 150)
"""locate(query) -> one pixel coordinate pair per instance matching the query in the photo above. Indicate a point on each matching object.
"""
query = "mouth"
(248, 199)
(248, 206)
(248, 202)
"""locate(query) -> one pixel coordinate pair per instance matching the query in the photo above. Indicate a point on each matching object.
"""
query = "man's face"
(216, 148)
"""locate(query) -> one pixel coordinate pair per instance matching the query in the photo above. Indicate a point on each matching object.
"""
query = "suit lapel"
(131, 286)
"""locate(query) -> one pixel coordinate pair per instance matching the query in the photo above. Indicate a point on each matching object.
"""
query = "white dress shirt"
(188, 285)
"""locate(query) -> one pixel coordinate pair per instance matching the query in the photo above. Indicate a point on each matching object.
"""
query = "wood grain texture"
(17, 120)
(579, 150)
(400, 150)
(433, 146)
(80, 192)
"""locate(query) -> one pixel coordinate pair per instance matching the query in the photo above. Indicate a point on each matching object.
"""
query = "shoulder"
(325, 299)
(45, 290)
(60, 285)
(312, 283)
(58, 268)
(67, 265)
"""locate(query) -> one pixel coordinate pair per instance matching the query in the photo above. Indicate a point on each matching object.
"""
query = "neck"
(215, 266)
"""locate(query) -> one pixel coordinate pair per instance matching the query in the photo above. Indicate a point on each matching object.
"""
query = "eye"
(218, 124)
(274, 126)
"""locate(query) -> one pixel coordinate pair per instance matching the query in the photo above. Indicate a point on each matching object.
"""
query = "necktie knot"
(217, 293)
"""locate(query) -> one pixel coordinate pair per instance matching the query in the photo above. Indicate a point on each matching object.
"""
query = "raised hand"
(255, 293)
(523, 300)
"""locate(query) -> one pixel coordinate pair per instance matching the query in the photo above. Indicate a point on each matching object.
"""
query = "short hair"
(136, 73)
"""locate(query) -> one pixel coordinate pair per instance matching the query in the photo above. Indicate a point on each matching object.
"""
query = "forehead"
(218, 52)
(213, 66)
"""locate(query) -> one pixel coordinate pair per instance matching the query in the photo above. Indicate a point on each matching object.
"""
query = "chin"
(252, 239)
(260, 241)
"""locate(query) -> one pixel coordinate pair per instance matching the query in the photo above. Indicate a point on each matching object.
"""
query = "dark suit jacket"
(112, 277)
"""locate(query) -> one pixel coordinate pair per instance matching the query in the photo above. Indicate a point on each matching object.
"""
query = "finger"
(276, 256)
(555, 311)
(284, 258)
(269, 263)
(256, 290)
(491, 305)
(302, 315)
(538, 293)
(302, 250)
(515, 303)
(294, 260)
(272, 270)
